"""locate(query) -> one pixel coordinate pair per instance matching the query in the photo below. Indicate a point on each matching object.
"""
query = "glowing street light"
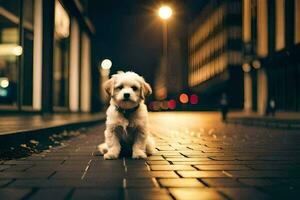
(165, 12)
(4, 83)
(106, 64)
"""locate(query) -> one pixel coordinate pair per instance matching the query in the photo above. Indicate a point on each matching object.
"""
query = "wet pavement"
(11, 124)
(198, 157)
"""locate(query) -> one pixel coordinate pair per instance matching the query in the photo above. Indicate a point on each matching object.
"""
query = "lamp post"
(164, 12)
(104, 69)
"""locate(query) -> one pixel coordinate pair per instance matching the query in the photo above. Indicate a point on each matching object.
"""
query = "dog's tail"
(150, 146)
(103, 148)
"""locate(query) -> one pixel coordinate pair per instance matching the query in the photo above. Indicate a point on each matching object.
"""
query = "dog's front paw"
(139, 154)
(110, 156)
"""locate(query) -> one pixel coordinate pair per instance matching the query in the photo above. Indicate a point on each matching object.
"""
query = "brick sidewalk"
(194, 161)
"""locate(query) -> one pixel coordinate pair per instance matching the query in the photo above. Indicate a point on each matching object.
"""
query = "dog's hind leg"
(103, 148)
(150, 145)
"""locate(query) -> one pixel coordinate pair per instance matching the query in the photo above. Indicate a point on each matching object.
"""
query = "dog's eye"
(119, 87)
(134, 88)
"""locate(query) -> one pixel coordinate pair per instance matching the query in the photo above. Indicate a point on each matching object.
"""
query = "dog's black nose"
(126, 95)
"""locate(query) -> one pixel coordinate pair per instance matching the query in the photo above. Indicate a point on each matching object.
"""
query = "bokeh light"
(106, 64)
(184, 98)
(4, 83)
(172, 104)
(246, 67)
(194, 99)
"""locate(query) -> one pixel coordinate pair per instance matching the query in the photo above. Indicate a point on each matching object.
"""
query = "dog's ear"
(109, 86)
(146, 90)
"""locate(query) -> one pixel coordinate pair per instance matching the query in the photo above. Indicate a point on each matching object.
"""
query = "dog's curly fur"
(127, 118)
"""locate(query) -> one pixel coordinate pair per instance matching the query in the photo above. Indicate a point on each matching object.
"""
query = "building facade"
(271, 37)
(45, 56)
(215, 54)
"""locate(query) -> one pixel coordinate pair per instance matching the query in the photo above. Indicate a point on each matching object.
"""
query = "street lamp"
(165, 12)
(104, 69)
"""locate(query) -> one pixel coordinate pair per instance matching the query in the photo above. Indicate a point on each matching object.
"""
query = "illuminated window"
(247, 21)
(262, 28)
(279, 30)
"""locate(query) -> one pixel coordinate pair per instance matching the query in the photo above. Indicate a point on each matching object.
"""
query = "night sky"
(129, 32)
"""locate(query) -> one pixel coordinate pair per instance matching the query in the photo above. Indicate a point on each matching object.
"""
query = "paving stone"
(187, 159)
(62, 183)
(196, 193)
(265, 174)
(66, 175)
(147, 194)
(158, 162)
(157, 174)
(136, 163)
(24, 175)
(222, 182)
(281, 191)
(4, 182)
(140, 183)
(56, 168)
(244, 193)
(273, 167)
(91, 194)
(165, 148)
(174, 156)
(16, 168)
(222, 167)
(13, 193)
(260, 181)
(28, 162)
(180, 182)
(201, 174)
(155, 158)
(222, 158)
(171, 167)
(50, 194)
(3, 167)
(167, 153)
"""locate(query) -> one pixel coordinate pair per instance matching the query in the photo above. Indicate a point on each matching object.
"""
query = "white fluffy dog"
(127, 116)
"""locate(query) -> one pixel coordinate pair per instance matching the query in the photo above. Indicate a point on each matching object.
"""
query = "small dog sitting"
(127, 117)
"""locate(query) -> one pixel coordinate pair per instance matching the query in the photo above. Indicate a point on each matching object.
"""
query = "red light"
(194, 99)
(184, 98)
(165, 105)
(172, 104)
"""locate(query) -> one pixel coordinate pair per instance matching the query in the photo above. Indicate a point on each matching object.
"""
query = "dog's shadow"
(126, 149)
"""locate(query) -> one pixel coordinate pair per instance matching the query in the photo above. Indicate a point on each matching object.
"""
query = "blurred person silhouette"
(224, 106)
(271, 107)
